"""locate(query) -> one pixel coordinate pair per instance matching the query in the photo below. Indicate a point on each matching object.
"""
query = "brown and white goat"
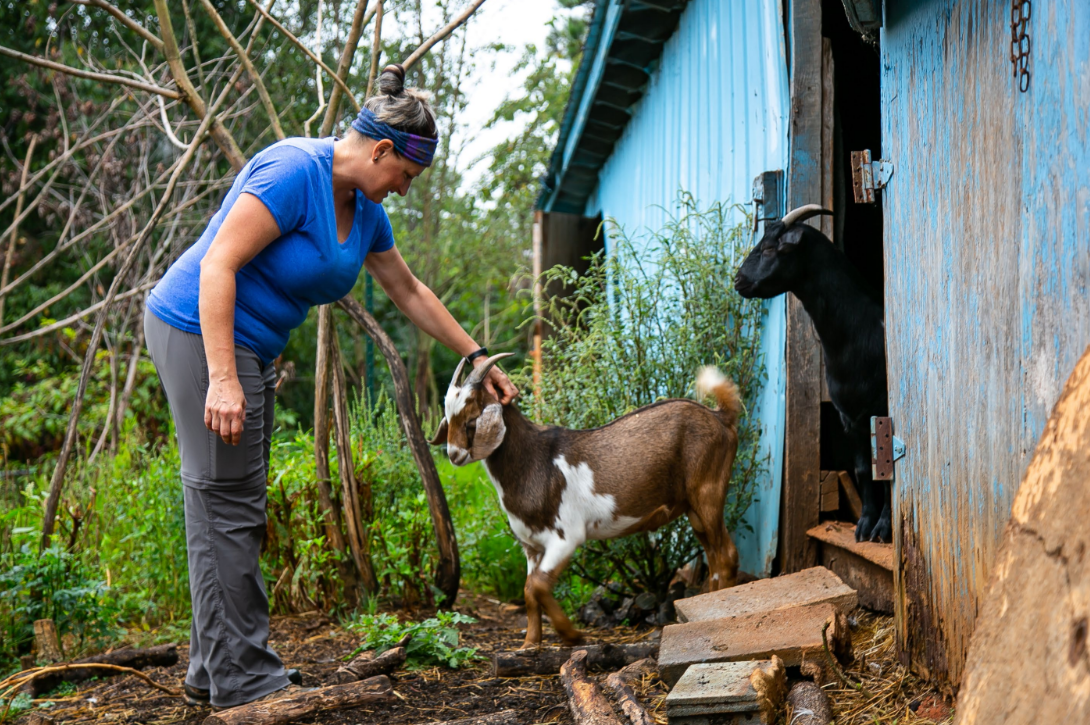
(560, 487)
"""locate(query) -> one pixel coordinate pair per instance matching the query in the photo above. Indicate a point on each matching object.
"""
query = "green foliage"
(433, 641)
(54, 585)
(635, 329)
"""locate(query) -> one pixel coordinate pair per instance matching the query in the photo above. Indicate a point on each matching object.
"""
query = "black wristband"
(480, 352)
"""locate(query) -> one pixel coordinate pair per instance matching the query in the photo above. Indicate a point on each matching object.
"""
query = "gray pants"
(224, 485)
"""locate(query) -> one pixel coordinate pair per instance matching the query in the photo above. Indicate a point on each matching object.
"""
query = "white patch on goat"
(519, 528)
(455, 400)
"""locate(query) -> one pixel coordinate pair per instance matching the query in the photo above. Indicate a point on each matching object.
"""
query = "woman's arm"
(248, 228)
(424, 309)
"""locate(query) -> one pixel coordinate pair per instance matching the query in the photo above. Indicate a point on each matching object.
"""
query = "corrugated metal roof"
(624, 43)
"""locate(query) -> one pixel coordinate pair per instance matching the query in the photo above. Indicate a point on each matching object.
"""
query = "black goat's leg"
(883, 529)
(869, 490)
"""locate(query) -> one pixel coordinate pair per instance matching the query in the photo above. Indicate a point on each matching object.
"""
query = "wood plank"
(801, 497)
(866, 567)
(830, 491)
(810, 586)
(847, 485)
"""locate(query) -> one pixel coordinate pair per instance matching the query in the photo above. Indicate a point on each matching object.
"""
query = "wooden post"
(801, 498)
(448, 575)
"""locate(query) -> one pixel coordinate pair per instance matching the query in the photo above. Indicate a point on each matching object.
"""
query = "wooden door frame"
(808, 180)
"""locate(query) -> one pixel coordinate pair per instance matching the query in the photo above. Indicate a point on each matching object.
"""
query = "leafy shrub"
(53, 585)
(434, 641)
(635, 329)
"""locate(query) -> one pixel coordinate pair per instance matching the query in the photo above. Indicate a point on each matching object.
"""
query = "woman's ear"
(381, 148)
(440, 437)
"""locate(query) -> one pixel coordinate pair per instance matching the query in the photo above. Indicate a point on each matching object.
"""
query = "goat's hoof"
(882, 532)
(573, 640)
(863, 528)
(530, 645)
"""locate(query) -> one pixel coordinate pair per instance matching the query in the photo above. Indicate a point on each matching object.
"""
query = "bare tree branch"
(297, 43)
(376, 48)
(124, 20)
(320, 91)
(244, 58)
(68, 321)
(359, 20)
(193, 44)
(56, 485)
(447, 30)
(14, 238)
(90, 75)
(219, 133)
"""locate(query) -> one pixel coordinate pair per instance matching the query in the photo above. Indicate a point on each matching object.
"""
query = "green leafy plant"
(433, 642)
(635, 328)
(54, 585)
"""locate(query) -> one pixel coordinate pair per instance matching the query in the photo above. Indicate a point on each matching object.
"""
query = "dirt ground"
(317, 647)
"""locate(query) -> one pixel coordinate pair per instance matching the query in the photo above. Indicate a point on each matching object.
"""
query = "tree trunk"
(47, 641)
(357, 499)
(548, 660)
(331, 512)
(588, 704)
(448, 572)
(305, 704)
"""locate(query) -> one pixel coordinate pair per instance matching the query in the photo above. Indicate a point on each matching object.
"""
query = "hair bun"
(391, 82)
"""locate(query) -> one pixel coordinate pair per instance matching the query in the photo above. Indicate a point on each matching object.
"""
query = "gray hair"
(406, 109)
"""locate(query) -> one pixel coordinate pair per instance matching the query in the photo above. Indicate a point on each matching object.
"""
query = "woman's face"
(386, 172)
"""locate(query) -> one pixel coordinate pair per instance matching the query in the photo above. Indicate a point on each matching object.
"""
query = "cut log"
(505, 717)
(1029, 659)
(807, 704)
(367, 665)
(548, 660)
(619, 685)
(304, 704)
(164, 655)
(47, 642)
(586, 700)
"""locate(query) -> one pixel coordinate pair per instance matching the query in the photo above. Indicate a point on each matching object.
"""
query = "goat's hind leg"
(719, 546)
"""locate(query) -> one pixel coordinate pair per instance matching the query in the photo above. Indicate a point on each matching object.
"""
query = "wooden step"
(865, 566)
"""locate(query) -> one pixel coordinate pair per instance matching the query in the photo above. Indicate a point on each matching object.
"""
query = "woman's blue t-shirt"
(304, 267)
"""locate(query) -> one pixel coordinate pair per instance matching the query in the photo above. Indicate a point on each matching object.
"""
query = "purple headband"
(419, 149)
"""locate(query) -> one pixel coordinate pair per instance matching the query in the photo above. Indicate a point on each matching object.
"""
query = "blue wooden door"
(987, 224)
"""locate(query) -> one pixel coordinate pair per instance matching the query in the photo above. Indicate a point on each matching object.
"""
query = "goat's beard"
(490, 432)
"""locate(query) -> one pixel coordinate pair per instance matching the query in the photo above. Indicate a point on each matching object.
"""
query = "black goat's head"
(776, 264)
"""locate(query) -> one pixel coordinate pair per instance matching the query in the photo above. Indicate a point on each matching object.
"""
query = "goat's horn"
(457, 372)
(478, 374)
(802, 214)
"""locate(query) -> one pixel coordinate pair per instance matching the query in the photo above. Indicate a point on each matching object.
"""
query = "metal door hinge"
(885, 448)
(868, 176)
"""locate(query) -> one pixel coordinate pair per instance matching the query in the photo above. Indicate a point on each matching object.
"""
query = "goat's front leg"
(875, 522)
(542, 583)
(533, 607)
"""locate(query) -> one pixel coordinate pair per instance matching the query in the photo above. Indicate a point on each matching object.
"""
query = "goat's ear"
(440, 437)
(789, 240)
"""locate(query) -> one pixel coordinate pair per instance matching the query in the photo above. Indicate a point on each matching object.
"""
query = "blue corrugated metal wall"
(987, 248)
(713, 117)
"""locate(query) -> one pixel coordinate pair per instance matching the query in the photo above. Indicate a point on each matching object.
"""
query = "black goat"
(847, 314)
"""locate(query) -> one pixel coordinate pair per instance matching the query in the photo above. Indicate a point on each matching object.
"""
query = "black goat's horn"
(478, 374)
(802, 214)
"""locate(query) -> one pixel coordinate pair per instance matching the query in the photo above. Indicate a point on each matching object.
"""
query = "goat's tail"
(711, 382)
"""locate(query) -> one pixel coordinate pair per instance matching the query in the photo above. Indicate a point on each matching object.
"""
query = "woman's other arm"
(424, 309)
(248, 228)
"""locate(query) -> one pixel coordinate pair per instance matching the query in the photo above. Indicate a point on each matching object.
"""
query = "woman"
(301, 219)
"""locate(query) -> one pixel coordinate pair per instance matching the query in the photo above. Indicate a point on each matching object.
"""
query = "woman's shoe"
(200, 697)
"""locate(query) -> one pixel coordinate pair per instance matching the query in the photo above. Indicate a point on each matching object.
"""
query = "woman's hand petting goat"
(561, 487)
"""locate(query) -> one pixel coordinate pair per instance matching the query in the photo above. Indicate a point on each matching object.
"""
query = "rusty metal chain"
(1021, 11)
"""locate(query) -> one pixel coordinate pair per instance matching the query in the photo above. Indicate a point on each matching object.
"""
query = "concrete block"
(793, 634)
(718, 687)
(810, 586)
